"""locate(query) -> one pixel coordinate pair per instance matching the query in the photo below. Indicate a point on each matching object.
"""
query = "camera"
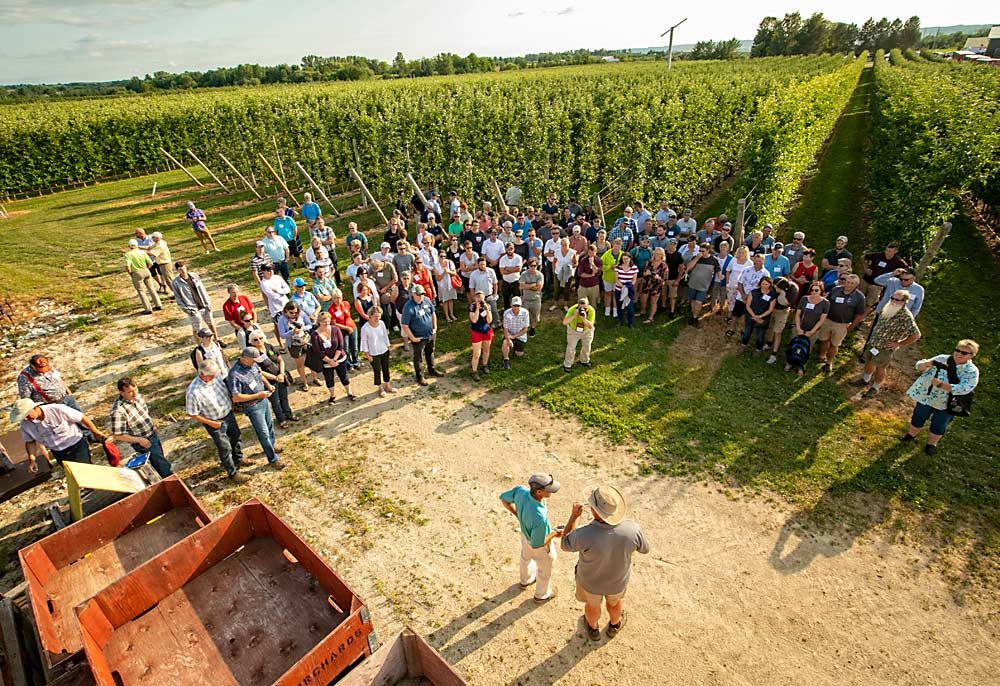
(296, 325)
(940, 365)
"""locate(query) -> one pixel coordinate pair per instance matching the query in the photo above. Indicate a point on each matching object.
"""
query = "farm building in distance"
(993, 47)
(976, 45)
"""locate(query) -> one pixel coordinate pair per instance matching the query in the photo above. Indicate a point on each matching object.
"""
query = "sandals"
(284, 424)
(647, 321)
(352, 397)
(331, 401)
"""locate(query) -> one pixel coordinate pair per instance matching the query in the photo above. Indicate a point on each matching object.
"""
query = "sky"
(52, 41)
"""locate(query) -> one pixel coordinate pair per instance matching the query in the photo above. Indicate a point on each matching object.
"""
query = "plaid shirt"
(245, 381)
(210, 400)
(131, 418)
(624, 230)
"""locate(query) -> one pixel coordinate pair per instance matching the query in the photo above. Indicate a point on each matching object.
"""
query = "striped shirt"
(208, 399)
(625, 275)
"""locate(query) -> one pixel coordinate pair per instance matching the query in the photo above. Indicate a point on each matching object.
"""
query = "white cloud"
(95, 13)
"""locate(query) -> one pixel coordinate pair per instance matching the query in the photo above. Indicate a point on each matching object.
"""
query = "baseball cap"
(250, 352)
(516, 300)
(259, 244)
(727, 225)
(133, 243)
(768, 226)
(842, 238)
(508, 225)
(543, 482)
(204, 333)
(778, 245)
(299, 281)
(418, 289)
(385, 244)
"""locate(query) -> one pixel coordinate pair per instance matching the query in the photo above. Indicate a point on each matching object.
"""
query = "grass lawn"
(698, 407)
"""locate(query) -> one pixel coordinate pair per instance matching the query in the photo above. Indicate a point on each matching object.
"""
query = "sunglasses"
(898, 300)
(963, 352)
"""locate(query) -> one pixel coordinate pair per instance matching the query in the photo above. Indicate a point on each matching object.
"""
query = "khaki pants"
(779, 319)
(585, 338)
(534, 308)
(145, 287)
(591, 293)
(536, 565)
(873, 292)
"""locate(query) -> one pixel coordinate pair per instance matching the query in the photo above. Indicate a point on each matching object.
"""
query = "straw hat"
(609, 503)
(21, 409)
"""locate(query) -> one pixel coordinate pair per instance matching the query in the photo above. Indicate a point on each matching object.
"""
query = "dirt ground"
(400, 494)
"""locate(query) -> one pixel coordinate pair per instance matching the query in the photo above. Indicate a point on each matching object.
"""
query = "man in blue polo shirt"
(250, 392)
(419, 326)
(538, 555)
(776, 264)
(311, 211)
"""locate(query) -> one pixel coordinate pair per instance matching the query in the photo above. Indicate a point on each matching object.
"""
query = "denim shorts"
(697, 295)
(940, 419)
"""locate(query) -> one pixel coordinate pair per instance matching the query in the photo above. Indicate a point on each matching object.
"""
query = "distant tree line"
(316, 68)
(793, 35)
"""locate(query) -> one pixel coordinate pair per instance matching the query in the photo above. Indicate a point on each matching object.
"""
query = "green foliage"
(935, 138)
(790, 35)
(568, 130)
(792, 126)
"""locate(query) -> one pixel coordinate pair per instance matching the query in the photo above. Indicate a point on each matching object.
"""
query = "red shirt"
(233, 311)
(341, 315)
(423, 277)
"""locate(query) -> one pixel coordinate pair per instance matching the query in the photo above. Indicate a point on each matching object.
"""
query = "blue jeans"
(78, 452)
(156, 457)
(940, 419)
(262, 421)
(279, 403)
(626, 312)
(352, 339)
(227, 443)
(758, 330)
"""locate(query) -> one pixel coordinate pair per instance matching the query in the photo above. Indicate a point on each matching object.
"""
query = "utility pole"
(670, 48)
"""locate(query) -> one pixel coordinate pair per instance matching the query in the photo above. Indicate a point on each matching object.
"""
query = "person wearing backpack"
(208, 348)
(943, 391)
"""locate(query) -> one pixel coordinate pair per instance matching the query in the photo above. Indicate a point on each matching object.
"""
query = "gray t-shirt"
(700, 275)
(403, 263)
(605, 554)
(811, 312)
(529, 278)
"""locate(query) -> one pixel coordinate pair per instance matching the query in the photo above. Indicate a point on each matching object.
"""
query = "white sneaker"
(772, 359)
(208, 252)
(607, 311)
(552, 309)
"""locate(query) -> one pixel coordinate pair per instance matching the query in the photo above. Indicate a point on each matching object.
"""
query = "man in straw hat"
(605, 547)
(538, 555)
(55, 426)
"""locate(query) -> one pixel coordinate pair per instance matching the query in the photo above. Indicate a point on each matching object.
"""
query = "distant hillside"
(745, 46)
(963, 28)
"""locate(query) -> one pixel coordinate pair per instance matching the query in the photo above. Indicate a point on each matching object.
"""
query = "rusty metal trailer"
(243, 601)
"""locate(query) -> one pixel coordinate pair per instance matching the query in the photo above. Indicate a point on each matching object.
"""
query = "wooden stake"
(600, 210)
(277, 154)
(932, 249)
(318, 189)
(154, 190)
(503, 202)
(278, 179)
(364, 190)
(741, 211)
(179, 166)
(420, 193)
(205, 167)
(357, 165)
(242, 178)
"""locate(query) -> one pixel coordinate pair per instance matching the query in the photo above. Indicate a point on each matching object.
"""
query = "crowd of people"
(501, 268)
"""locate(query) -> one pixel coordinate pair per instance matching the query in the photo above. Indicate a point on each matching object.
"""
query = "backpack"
(194, 357)
(957, 405)
(797, 352)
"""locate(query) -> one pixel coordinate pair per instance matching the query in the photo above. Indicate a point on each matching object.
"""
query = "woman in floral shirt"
(931, 390)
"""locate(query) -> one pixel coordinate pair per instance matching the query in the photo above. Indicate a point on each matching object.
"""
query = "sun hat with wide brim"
(21, 409)
(609, 503)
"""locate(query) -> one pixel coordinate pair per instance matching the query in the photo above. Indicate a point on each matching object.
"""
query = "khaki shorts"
(883, 359)
(585, 596)
(833, 332)
(671, 289)
(779, 319)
